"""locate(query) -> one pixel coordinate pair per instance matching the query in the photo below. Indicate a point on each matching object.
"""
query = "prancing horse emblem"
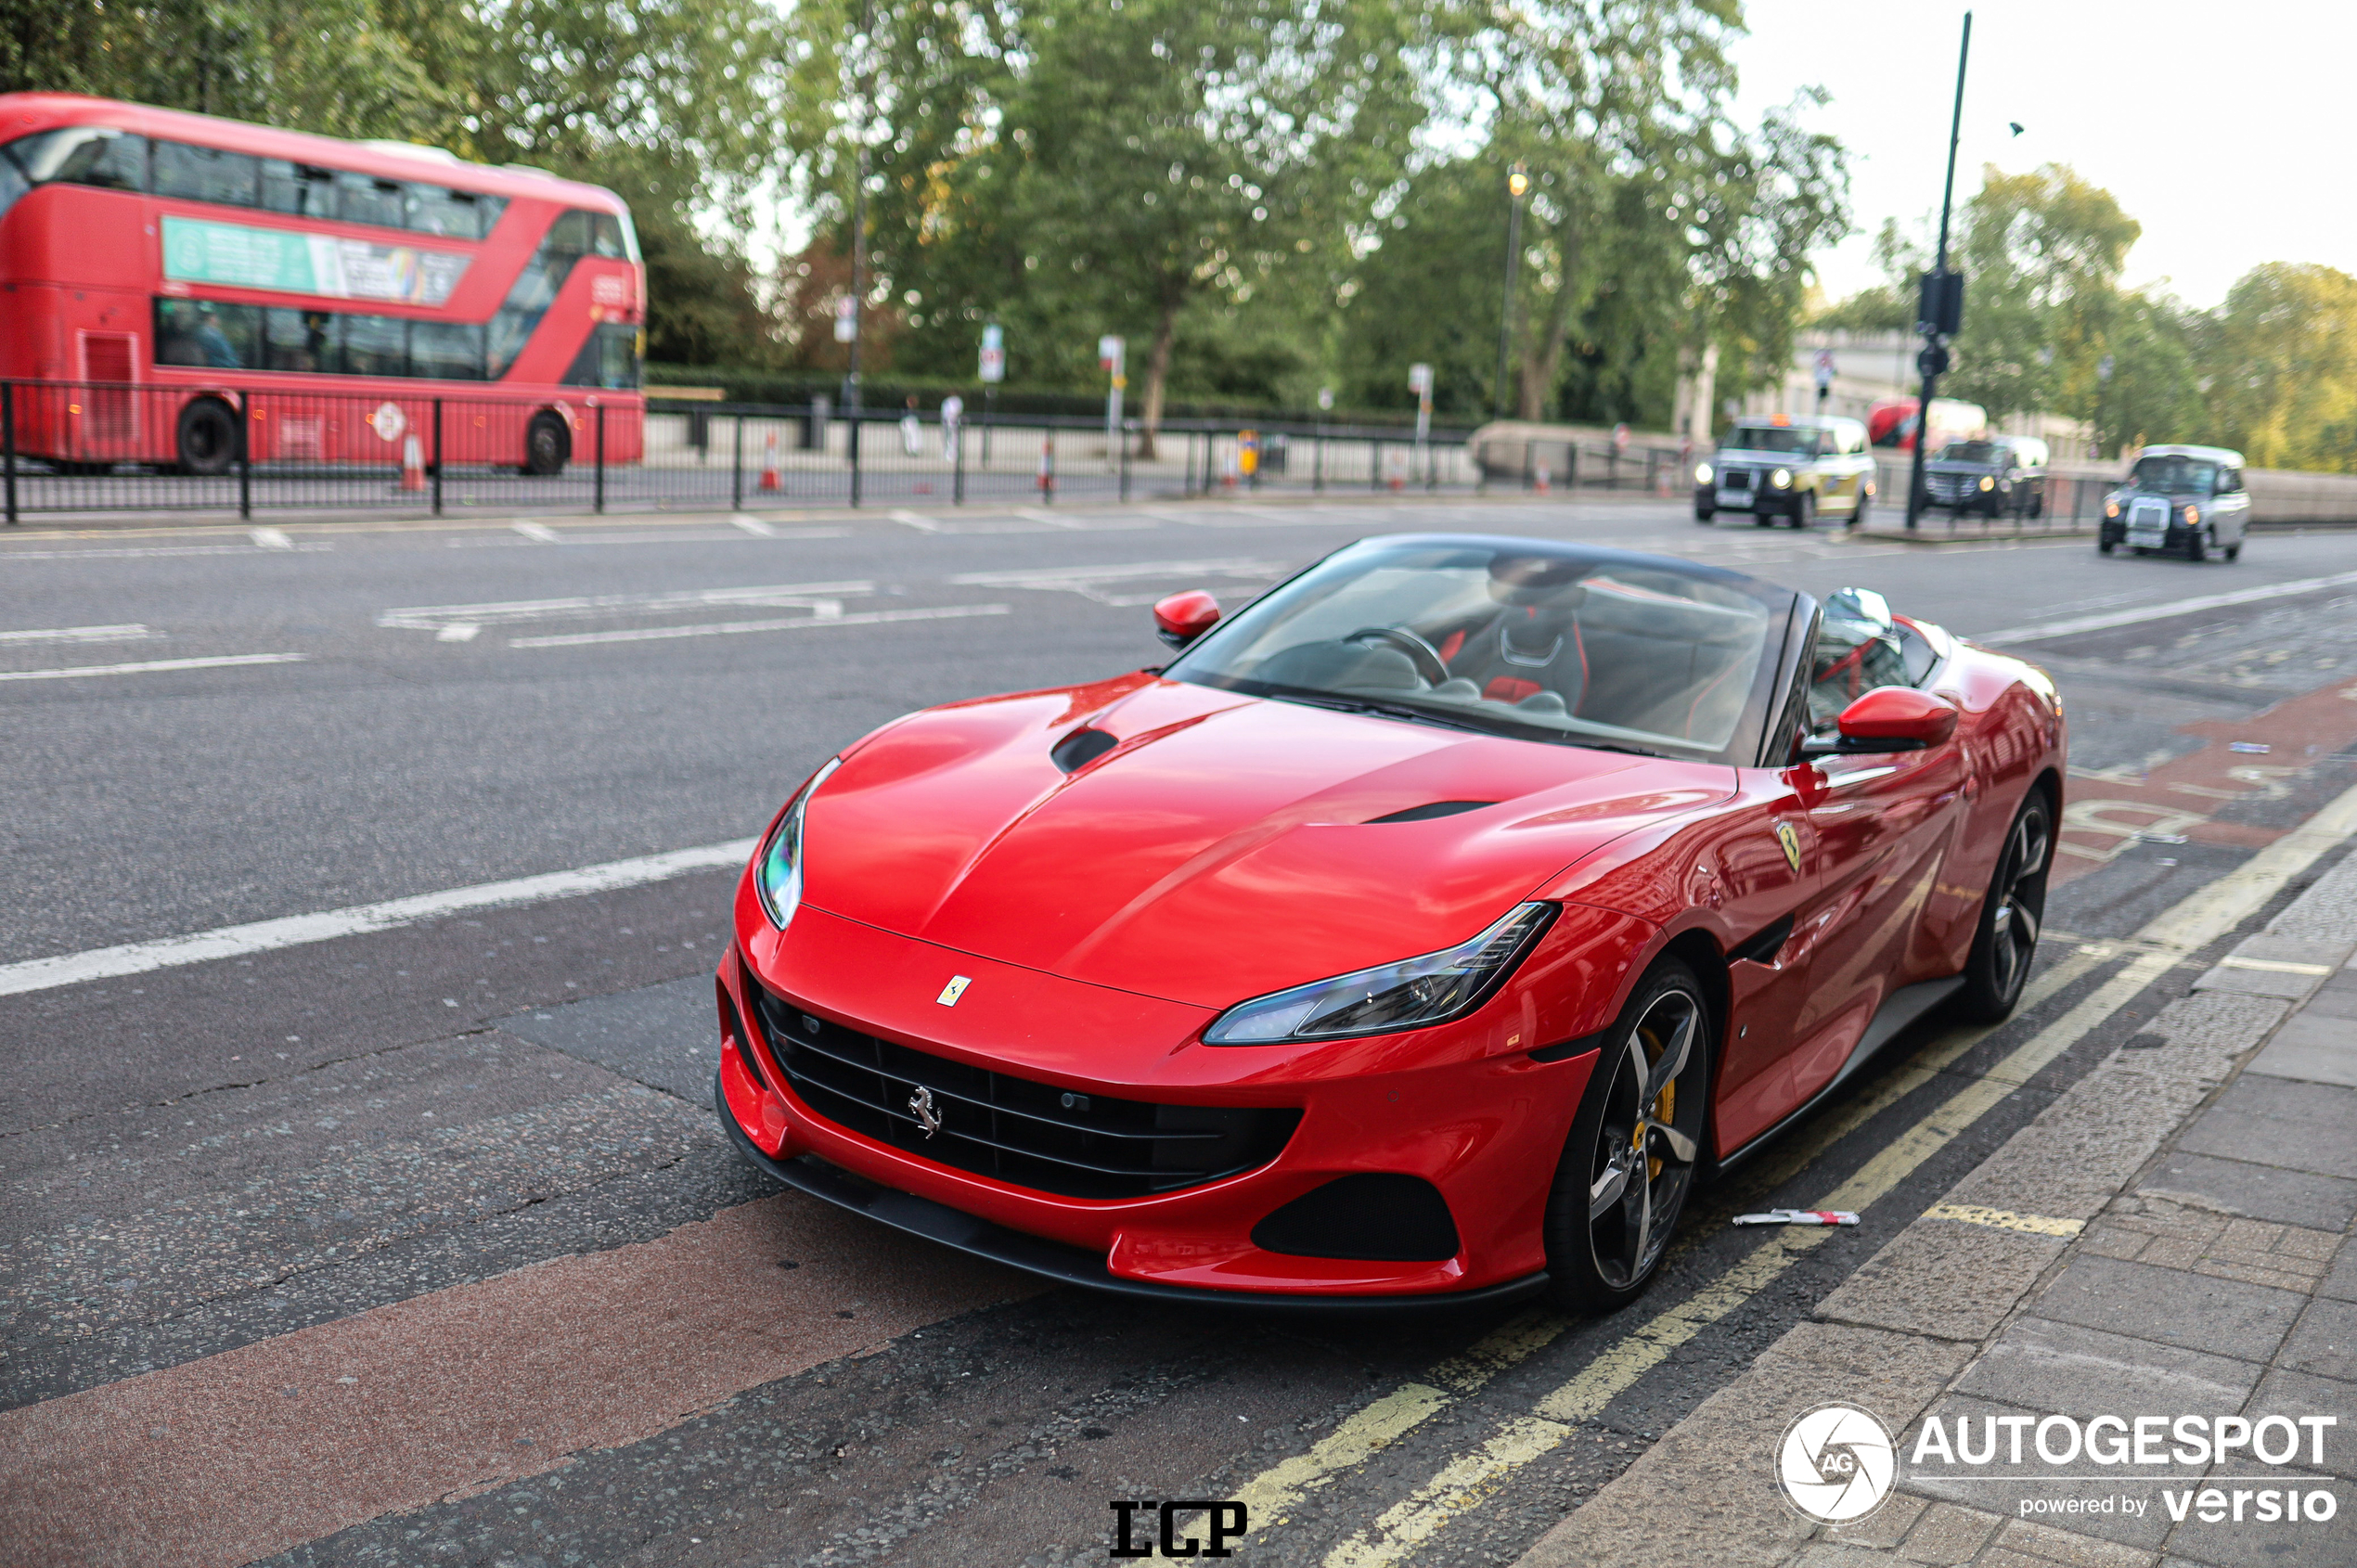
(921, 1106)
(1791, 841)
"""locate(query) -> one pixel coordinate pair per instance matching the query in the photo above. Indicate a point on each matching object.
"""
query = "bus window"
(205, 332)
(376, 345)
(206, 173)
(447, 351)
(605, 235)
(363, 199)
(461, 215)
(298, 188)
(84, 155)
(569, 236)
(12, 183)
(304, 340)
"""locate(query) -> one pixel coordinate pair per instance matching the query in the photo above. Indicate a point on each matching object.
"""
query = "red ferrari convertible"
(1421, 931)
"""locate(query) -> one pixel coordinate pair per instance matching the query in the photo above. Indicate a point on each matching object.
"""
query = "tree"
(2041, 255)
(2281, 355)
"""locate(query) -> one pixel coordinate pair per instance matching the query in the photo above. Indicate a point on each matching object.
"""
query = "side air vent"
(1377, 1215)
(1426, 813)
(1080, 748)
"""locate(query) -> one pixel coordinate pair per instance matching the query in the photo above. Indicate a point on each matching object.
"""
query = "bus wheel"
(208, 437)
(546, 443)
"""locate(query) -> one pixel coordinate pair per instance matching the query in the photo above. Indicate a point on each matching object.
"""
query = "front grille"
(1735, 479)
(2148, 516)
(1016, 1130)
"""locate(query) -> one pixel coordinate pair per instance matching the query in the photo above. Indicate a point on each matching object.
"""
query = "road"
(415, 1243)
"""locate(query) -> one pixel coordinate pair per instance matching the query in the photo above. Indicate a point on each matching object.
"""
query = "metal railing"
(72, 446)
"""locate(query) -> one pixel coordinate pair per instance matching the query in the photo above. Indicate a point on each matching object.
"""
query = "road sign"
(388, 421)
(846, 319)
(1620, 438)
(994, 354)
(1420, 380)
(1108, 352)
(1824, 371)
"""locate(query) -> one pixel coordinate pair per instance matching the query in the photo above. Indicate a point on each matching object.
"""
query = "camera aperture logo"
(1837, 1463)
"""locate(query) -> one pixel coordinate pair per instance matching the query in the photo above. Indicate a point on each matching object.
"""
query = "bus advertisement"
(185, 292)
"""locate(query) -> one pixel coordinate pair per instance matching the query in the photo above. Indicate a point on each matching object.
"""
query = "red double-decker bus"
(201, 290)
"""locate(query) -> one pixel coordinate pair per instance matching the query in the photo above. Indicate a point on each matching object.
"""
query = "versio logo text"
(1134, 1532)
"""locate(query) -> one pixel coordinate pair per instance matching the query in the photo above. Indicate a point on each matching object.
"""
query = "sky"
(2221, 128)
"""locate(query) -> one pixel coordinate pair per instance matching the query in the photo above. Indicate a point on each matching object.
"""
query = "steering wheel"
(1421, 653)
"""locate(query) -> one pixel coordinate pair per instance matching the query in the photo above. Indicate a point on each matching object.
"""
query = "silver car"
(2186, 500)
(1788, 467)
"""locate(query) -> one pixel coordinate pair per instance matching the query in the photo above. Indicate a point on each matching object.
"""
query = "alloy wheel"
(2021, 890)
(1644, 1158)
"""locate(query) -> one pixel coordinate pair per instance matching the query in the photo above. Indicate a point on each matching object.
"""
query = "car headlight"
(2111, 508)
(1701, 473)
(777, 874)
(1781, 478)
(1410, 994)
(1988, 483)
(2193, 516)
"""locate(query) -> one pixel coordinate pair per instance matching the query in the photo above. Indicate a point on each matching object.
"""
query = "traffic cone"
(413, 465)
(1047, 466)
(1544, 480)
(769, 463)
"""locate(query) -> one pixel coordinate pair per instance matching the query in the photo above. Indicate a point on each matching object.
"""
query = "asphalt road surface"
(415, 1242)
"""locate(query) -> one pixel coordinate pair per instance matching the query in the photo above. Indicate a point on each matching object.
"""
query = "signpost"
(993, 370)
(1109, 359)
(1420, 383)
(1940, 309)
(1824, 376)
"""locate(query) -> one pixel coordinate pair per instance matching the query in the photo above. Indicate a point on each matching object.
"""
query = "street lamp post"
(1517, 181)
(2102, 385)
(1942, 308)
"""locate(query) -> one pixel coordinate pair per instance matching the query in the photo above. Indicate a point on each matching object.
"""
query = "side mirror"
(1181, 617)
(1889, 718)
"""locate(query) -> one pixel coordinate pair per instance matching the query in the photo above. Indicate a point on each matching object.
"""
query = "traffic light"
(1940, 305)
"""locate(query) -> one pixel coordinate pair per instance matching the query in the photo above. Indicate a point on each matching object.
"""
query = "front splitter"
(1068, 1265)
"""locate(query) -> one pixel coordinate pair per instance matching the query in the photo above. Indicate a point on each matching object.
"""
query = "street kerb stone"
(1707, 1495)
(1945, 1279)
(2172, 1307)
(2064, 1368)
(2316, 1048)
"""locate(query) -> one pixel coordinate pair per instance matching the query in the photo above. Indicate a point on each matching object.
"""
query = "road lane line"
(126, 633)
(246, 549)
(539, 533)
(753, 526)
(149, 666)
(2004, 1219)
(434, 617)
(914, 519)
(2163, 611)
(270, 538)
(732, 628)
(296, 931)
(256, 1450)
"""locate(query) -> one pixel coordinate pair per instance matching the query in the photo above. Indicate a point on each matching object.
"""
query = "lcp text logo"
(1224, 1521)
(1837, 1463)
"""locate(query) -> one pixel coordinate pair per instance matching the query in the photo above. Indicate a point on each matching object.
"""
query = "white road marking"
(146, 550)
(733, 628)
(270, 538)
(147, 666)
(539, 533)
(2163, 611)
(914, 519)
(127, 633)
(296, 931)
(437, 617)
(457, 631)
(753, 526)
(1095, 582)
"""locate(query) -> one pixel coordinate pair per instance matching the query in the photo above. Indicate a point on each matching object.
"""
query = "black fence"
(100, 447)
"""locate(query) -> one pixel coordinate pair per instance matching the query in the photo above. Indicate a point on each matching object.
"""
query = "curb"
(1909, 1323)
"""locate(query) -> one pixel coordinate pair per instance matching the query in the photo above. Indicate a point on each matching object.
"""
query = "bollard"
(769, 463)
(413, 463)
(1047, 467)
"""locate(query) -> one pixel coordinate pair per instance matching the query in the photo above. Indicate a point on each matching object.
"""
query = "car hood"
(1224, 848)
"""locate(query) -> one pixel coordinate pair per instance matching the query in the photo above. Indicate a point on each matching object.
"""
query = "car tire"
(2004, 943)
(208, 437)
(2234, 552)
(546, 444)
(1762, 519)
(1804, 510)
(2105, 546)
(1623, 1180)
(2193, 551)
(1857, 512)
(1703, 514)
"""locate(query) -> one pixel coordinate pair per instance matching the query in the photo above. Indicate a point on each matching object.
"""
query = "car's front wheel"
(1702, 513)
(1804, 510)
(1629, 1160)
(2010, 915)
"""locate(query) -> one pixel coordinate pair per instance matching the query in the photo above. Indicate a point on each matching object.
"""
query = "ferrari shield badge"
(957, 988)
(1786, 835)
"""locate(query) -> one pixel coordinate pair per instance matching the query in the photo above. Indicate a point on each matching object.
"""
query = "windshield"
(1520, 637)
(1972, 452)
(2175, 476)
(1769, 438)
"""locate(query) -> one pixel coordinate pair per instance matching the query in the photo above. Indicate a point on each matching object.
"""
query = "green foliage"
(2043, 253)
(2281, 356)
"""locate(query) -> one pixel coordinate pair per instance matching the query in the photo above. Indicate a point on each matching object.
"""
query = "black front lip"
(1053, 1260)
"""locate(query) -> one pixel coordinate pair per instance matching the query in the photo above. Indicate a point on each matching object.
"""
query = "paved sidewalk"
(2169, 1237)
